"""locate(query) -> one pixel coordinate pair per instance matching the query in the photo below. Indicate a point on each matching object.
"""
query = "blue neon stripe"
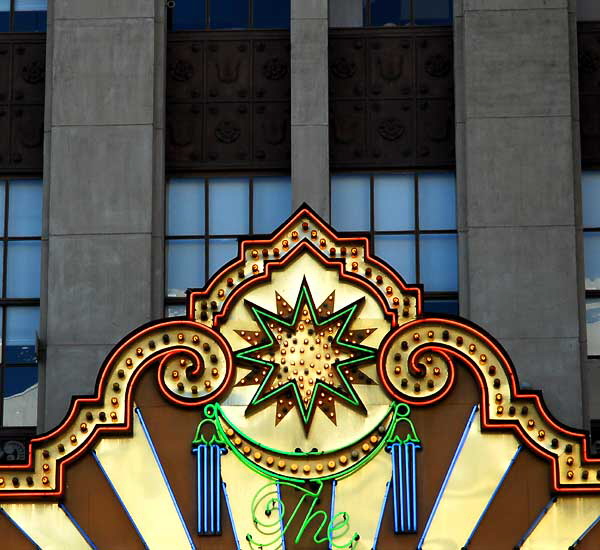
(377, 531)
(204, 490)
(281, 516)
(413, 450)
(584, 534)
(62, 506)
(332, 511)
(164, 476)
(395, 486)
(400, 482)
(536, 522)
(493, 496)
(7, 516)
(235, 537)
(119, 499)
(438, 499)
(408, 499)
(198, 489)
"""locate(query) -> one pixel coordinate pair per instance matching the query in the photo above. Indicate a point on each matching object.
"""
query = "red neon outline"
(76, 404)
(515, 393)
(338, 264)
(304, 211)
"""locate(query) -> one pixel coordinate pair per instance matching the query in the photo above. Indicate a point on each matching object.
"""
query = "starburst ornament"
(305, 357)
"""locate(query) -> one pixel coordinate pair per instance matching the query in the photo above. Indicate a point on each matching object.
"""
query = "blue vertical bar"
(208, 472)
(413, 451)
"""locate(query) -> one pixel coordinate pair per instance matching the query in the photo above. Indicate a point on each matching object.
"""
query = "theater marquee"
(306, 401)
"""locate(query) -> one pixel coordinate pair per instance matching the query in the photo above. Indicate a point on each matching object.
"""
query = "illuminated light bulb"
(331, 465)
(319, 468)
(306, 468)
(175, 375)
(530, 423)
(270, 461)
(570, 474)
(436, 371)
(323, 243)
(472, 348)
(430, 334)
(220, 293)
(207, 384)
(313, 234)
(397, 370)
(237, 441)
(281, 464)
(257, 456)
(428, 359)
(73, 439)
(113, 416)
(354, 252)
(541, 434)
(498, 398)
(499, 410)
(114, 401)
(45, 481)
(254, 254)
(46, 467)
(396, 301)
(483, 358)
(246, 450)
(374, 439)
(416, 336)
(215, 372)
(332, 251)
(180, 337)
(139, 352)
(254, 268)
(354, 266)
(229, 432)
(285, 244)
(294, 468)
(83, 427)
(570, 461)
(294, 235)
(388, 290)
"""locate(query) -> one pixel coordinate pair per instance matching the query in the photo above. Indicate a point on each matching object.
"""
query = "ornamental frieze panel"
(305, 400)
(391, 72)
(238, 84)
(22, 82)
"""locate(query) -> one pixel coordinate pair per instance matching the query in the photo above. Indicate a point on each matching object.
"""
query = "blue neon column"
(404, 486)
(208, 470)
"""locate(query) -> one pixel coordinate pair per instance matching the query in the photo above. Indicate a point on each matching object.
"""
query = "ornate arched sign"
(306, 401)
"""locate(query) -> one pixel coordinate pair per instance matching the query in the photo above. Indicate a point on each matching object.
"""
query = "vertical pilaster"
(310, 104)
(518, 178)
(104, 176)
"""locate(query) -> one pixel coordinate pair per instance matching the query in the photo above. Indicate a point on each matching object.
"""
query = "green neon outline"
(304, 296)
(277, 503)
(214, 411)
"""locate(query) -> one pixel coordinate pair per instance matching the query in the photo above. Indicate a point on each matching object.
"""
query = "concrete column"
(518, 182)
(104, 177)
(310, 105)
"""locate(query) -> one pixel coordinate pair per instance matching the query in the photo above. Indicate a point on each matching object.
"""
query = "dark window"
(23, 15)
(229, 14)
(590, 181)
(411, 218)
(381, 13)
(205, 218)
(20, 249)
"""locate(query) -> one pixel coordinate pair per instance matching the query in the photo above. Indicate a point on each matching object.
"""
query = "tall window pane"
(188, 15)
(22, 325)
(4, 15)
(439, 264)
(399, 252)
(433, 12)
(30, 15)
(23, 269)
(185, 207)
(350, 203)
(272, 203)
(185, 266)
(220, 252)
(229, 14)
(389, 12)
(228, 206)
(268, 14)
(25, 209)
(437, 201)
(590, 185)
(394, 202)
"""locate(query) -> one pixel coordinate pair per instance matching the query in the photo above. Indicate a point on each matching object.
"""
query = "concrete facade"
(517, 176)
(518, 170)
(104, 186)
